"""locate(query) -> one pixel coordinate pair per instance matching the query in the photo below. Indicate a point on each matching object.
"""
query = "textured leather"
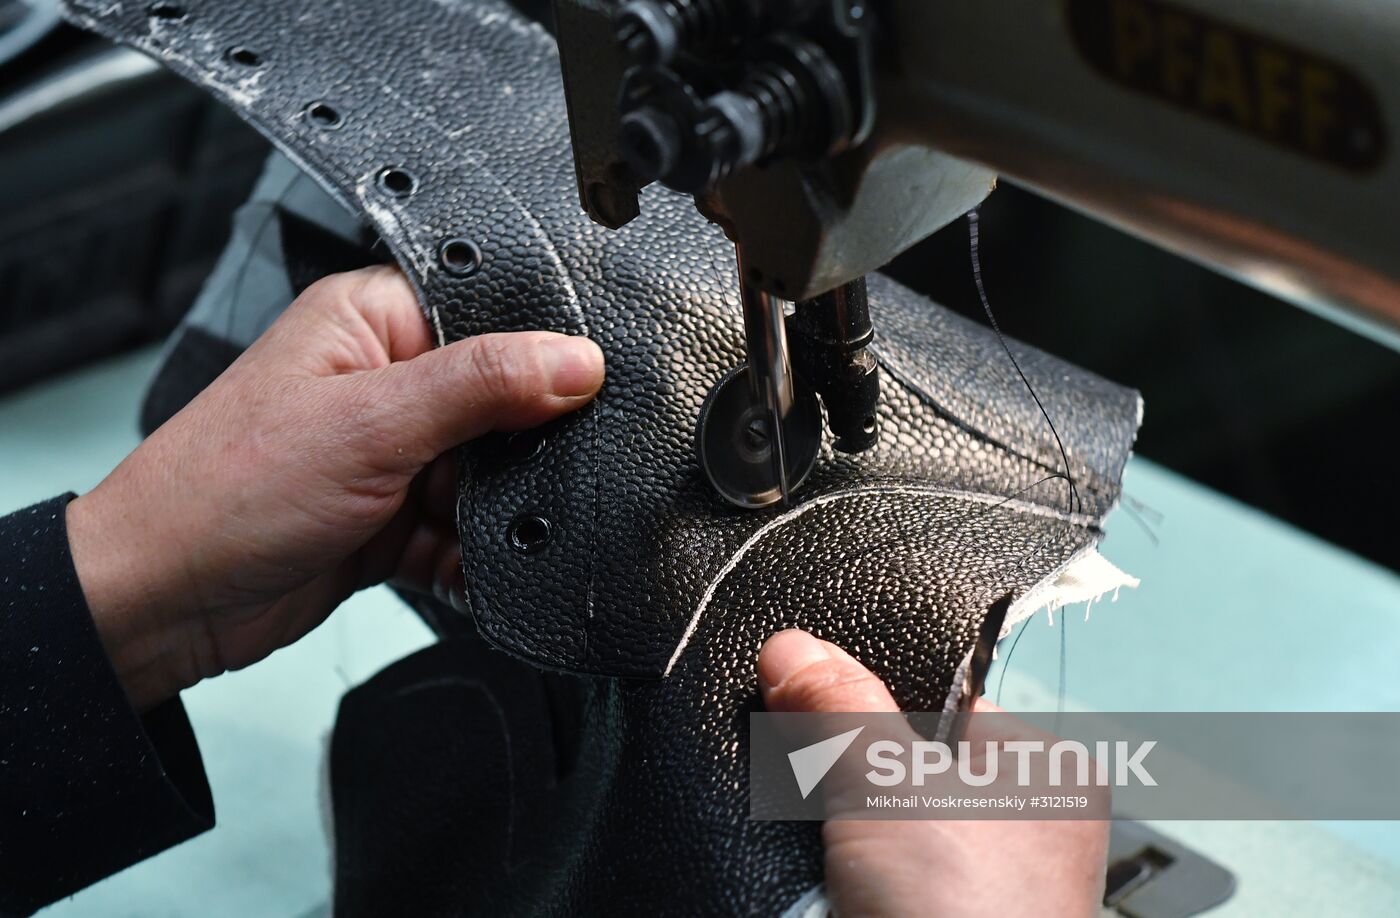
(895, 553)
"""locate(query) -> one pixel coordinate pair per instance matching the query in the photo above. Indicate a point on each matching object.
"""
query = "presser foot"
(736, 447)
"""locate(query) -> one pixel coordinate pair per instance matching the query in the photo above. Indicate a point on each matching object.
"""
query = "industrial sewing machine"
(827, 136)
(1066, 126)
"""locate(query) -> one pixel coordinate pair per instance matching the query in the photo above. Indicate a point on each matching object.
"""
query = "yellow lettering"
(1319, 112)
(1178, 57)
(1275, 100)
(1222, 76)
(1132, 35)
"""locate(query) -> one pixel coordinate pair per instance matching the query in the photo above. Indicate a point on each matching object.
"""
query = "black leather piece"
(311, 252)
(454, 752)
(895, 553)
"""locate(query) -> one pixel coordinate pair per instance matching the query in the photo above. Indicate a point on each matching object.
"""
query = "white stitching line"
(969, 496)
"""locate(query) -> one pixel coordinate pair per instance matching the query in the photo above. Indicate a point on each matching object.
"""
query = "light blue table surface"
(1236, 612)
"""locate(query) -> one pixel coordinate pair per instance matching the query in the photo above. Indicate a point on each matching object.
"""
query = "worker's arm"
(950, 868)
(87, 786)
(310, 469)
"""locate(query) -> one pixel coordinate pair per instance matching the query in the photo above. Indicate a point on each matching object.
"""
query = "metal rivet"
(459, 257)
(170, 12)
(529, 533)
(397, 182)
(524, 445)
(324, 116)
(244, 57)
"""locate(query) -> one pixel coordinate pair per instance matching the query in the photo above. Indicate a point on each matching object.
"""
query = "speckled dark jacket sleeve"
(87, 788)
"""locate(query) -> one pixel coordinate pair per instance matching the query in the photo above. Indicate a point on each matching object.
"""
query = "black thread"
(1140, 513)
(1006, 664)
(974, 236)
(1060, 694)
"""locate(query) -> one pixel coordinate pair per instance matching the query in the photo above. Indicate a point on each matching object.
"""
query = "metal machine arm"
(827, 136)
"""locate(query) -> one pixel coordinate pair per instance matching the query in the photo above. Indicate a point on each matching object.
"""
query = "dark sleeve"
(87, 787)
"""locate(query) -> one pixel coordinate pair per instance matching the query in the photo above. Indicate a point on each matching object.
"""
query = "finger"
(991, 724)
(383, 296)
(798, 672)
(372, 316)
(450, 585)
(381, 557)
(423, 407)
(438, 497)
(983, 706)
(990, 728)
(431, 561)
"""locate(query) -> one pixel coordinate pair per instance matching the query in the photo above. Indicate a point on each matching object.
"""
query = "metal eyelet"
(170, 12)
(459, 257)
(529, 533)
(397, 182)
(324, 116)
(523, 445)
(244, 57)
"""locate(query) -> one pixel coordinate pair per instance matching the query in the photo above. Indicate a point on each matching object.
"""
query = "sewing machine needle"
(770, 367)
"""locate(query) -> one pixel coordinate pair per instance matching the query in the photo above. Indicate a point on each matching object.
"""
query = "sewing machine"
(825, 137)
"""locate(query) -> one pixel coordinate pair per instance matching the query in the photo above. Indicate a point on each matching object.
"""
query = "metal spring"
(702, 23)
(776, 91)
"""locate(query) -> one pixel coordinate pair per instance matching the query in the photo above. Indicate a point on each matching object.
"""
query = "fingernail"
(576, 365)
(788, 652)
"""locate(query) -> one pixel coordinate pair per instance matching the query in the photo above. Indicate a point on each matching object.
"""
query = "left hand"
(308, 470)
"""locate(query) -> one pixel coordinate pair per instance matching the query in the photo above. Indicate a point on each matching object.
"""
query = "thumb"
(507, 381)
(797, 672)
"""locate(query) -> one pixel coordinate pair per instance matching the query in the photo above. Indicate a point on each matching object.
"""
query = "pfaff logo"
(1278, 92)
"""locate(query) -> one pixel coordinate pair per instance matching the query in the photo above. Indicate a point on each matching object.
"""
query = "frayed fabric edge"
(1085, 578)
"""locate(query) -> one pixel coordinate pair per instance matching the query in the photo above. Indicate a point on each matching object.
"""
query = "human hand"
(953, 869)
(312, 468)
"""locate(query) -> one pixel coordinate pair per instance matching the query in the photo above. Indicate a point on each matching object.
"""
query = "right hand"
(947, 868)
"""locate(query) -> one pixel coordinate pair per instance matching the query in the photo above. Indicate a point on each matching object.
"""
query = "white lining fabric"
(1086, 578)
